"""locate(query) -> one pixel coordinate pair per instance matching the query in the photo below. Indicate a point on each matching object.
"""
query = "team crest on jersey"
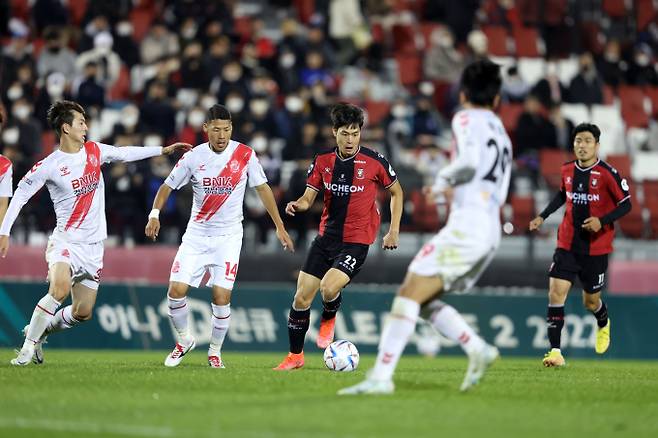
(327, 170)
(234, 166)
(65, 253)
(93, 160)
(176, 267)
(594, 182)
(360, 173)
(202, 168)
(64, 170)
(568, 180)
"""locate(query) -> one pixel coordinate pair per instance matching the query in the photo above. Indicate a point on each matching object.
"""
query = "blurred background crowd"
(147, 70)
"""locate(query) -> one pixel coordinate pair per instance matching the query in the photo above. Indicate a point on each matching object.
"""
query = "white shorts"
(85, 259)
(457, 256)
(219, 255)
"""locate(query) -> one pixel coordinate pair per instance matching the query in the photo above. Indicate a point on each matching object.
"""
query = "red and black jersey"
(594, 191)
(350, 189)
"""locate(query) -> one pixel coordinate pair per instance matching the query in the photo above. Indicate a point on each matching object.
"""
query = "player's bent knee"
(83, 315)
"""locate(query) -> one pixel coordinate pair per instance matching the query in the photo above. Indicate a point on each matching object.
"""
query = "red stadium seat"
(141, 19)
(652, 205)
(409, 67)
(121, 88)
(621, 162)
(425, 216)
(523, 211)
(404, 39)
(427, 28)
(632, 106)
(77, 10)
(497, 38)
(550, 164)
(377, 111)
(608, 95)
(650, 189)
(632, 224)
(526, 40)
(652, 94)
(645, 13)
(243, 28)
(509, 114)
(615, 8)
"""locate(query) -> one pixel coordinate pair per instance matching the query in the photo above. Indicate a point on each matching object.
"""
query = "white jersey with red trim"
(218, 181)
(76, 187)
(5, 177)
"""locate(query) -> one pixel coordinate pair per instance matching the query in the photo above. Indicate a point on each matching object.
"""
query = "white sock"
(453, 326)
(178, 313)
(221, 318)
(41, 317)
(396, 333)
(62, 320)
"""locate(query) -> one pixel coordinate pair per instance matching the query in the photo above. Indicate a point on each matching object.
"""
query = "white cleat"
(176, 356)
(369, 386)
(478, 363)
(215, 362)
(24, 357)
(37, 359)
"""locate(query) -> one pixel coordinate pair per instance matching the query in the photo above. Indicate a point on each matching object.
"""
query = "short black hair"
(63, 112)
(218, 112)
(586, 127)
(480, 82)
(346, 114)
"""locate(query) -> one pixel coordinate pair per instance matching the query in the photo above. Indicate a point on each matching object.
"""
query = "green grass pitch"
(122, 393)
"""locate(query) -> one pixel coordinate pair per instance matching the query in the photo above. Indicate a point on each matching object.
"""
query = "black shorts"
(326, 253)
(589, 269)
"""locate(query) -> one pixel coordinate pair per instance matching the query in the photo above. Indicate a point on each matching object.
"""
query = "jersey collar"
(588, 168)
(346, 159)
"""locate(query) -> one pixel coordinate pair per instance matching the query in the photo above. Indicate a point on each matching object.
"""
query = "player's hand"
(391, 240)
(4, 246)
(152, 228)
(592, 224)
(291, 208)
(285, 239)
(168, 150)
(536, 223)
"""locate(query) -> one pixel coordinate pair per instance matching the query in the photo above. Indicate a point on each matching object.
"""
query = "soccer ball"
(341, 356)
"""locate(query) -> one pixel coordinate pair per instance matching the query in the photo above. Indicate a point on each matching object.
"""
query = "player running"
(596, 195)
(476, 183)
(349, 177)
(219, 171)
(74, 254)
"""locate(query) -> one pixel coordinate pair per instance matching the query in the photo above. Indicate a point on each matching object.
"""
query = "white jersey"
(482, 145)
(76, 187)
(5, 177)
(218, 181)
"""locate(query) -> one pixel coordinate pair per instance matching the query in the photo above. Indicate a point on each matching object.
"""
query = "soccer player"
(219, 171)
(476, 181)
(348, 176)
(596, 195)
(5, 180)
(74, 254)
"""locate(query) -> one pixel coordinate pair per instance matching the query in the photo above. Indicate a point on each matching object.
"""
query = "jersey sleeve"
(255, 173)
(27, 187)
(180, 174)
(618, 186)
(313, 176)
(127, 153)
(467, 153)
(386, 175)
(6, 183)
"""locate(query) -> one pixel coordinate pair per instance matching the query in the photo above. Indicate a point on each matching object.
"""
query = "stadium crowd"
(146, 71)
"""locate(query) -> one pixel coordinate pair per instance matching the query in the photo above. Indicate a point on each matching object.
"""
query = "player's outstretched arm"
(182, 147)
(392, 238)
(137, 153)
(4, 203)
(267, 198)
(153, 225)
(303, 203)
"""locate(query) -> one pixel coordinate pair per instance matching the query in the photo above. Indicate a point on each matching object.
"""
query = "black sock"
(331, 307)
(555, 320)
(601, 315)
(298, 322)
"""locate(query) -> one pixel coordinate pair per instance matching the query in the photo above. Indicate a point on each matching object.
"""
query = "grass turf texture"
(123, 393)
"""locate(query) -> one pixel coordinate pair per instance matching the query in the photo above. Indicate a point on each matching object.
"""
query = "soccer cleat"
(24, 356)
(326, 333)
(176, 356)
(603, 338)
(369, 386)
(291, 362)
(215, 362)
(478, 363)
(37, 359)
(554, 358)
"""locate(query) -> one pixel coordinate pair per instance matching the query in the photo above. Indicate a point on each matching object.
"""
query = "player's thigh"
(59, 276)
(221, 296)
(189, 265)
(332, 282)
(564, 268)
(319, 258)
(349, 259)
(593, 272)
(84, 299)
(223, 260)
(421, 288)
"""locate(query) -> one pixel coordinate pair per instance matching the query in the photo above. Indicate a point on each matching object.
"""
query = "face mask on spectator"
(232, 73)
(152, 140)
(399, 111)
(196, 119)
(234, 104)
(642, 59)
(294, 104)
(15, 92)
(10, 135)
(287, 60)
(124, 28)
(21, 112)
(259, 144)
(189, 32)
(259, 106)
(208, 101)
(426, 88)
(130, 119)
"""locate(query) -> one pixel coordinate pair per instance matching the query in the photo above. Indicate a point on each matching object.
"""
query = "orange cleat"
(326, 334)
(291, 362)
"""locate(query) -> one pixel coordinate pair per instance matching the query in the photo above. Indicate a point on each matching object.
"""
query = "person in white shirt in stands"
(74, 254)
(476, 183)
(219, 171)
